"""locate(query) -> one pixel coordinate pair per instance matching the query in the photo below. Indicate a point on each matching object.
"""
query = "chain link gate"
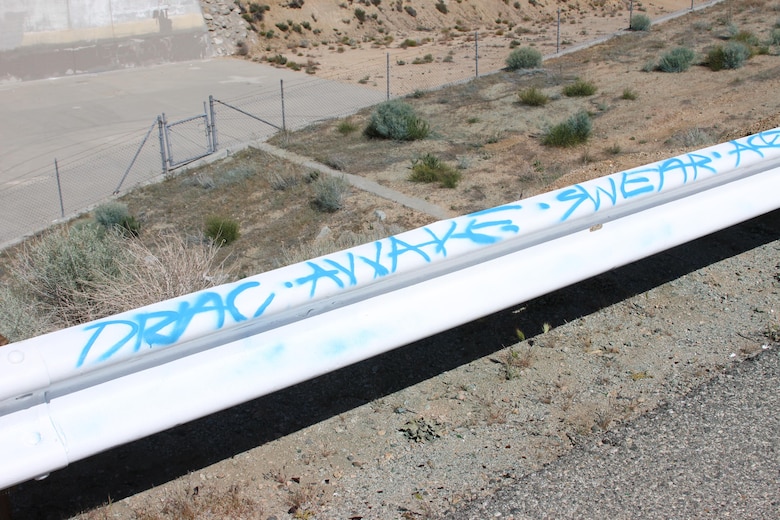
(190, 139)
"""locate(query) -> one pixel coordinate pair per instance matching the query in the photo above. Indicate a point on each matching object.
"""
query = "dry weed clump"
(84, 273)
(195, 503)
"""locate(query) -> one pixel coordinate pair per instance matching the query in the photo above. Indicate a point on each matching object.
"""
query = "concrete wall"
(44, 38)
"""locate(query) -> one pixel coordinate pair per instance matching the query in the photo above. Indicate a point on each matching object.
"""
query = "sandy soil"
(421, 431)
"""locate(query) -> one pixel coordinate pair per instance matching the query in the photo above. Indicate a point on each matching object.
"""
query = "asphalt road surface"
(713, 454)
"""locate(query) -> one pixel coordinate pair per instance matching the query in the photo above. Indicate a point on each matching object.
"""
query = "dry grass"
(164, 267)
(200, 502)
(73, 276)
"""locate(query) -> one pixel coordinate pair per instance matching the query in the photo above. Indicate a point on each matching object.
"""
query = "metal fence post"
(476, 54)
(213, 125)
(168, 152)
(630, 14)
(284, 125)
(59, 187)
(558, 34)
(387, 74)
(163, 154)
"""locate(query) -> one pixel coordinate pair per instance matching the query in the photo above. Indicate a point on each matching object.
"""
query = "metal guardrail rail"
(73, 393)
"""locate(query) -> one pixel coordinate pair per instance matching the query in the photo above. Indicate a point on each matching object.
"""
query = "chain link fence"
(34, 200)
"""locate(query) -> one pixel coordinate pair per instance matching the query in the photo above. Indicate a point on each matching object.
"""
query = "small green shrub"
(360, 14)
(111, 214)
(396, 120)
(629, 94)
(116, 216)
(731, 56)
(692, 138)
(533, 97)
(746, 37)
(676, 60)
(579, 88)
(774, 37)
(429, 168)
(640, 22)
(441, 7)
(346, 127)
(428, 58)
(222, 231)
(524, 58)
(571, 132)
(329, 192)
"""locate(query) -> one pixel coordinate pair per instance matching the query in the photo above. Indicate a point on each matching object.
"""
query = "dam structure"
(52, 38)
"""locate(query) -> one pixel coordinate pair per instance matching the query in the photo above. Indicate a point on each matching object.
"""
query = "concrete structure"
(45, 38)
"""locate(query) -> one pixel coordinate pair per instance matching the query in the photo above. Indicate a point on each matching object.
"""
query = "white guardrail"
(73, 393)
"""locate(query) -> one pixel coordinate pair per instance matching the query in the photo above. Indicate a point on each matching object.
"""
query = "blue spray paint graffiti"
(213, 310)
(165, 327)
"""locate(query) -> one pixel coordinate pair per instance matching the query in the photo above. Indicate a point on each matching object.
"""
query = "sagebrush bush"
(533, 97)
(693, 137)
(524, 58)
(640, 22)
(676, 60)
(429, 168)
(774, 37)
(234, 175)
(731, 56)
(571, 132)
(222, 231)
(579, 88)
(111, 214)
(59, 271)
(116, 216)
(396, 120)
(329, 192)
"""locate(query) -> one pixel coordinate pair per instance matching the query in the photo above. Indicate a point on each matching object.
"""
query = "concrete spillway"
(48, 38)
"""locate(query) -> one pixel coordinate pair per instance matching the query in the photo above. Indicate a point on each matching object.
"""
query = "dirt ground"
(422, 430)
